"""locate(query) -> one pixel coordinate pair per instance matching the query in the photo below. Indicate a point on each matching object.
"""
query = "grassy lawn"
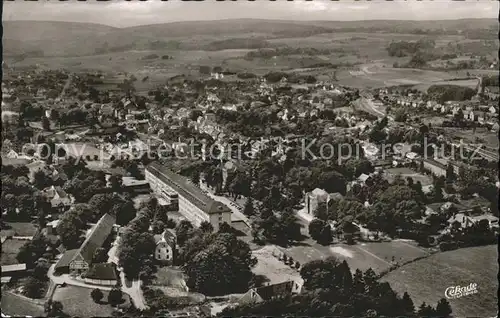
(270, 267)
(407, 172)
(361, 256)
(15, 305)
(427, 279)
(76, 301)
(10, 248)
(170, 277)
(19, 229)
(487, 138)
(400, 251)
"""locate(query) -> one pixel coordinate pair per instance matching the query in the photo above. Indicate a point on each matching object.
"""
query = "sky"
(121, 13)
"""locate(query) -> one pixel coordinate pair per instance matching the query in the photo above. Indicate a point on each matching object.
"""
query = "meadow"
(427, 279)
(77, 302)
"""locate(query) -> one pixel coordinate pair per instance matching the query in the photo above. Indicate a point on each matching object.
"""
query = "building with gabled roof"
(265, 293)
(102, 274)
(193, 203)
(80, 259)
(166, 243)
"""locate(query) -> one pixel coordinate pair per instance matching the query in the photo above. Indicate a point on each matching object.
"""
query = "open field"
(18, 306)
(427, 279)
(76, 301)
(380, 75)
(84, 149)
(480, 136)
(167, 276)
(405, 173)
(271, 267)
(10, 248)
(19, 229)
(377, 255)
(472, 83)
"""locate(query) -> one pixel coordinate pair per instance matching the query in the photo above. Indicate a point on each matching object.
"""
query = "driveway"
(67, 279)
(230, 204)
(133, 289)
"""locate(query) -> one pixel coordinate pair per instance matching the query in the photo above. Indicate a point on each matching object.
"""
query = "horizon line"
(255, 19)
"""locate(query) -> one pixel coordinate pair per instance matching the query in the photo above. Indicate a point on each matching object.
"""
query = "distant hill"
(47, 38)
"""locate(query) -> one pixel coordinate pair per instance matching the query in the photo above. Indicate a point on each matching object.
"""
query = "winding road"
(66, 85)
(133, 289)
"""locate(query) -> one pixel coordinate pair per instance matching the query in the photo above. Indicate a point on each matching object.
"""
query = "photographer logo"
(454, 292)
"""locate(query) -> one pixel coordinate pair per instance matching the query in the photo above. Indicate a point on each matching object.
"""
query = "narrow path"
(66, 279)
(412, 246)
(66, 85)
(134, 291)
(373, 255)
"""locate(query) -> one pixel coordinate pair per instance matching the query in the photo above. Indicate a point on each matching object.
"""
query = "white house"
(165, 246)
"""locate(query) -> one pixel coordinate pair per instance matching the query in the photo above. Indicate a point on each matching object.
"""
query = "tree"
(41, 269)
(315, 228)
(32, 250)
(69, 229)
(115, 296)
(33, 287)
(407, 304)
(206, 227)
(136, 249)
(158, 227)
(183, 231)
(115, 182)
(55, 309)
(248, 209)
(325, 236)
(230, 256)
(348, 228)
(225, 228)
(41, 180)
(426, 311)
(96, 295)
(443, 308)
(45, 123)
(450, 173)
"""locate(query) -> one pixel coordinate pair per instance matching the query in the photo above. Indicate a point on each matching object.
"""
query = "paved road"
(66, 278)
(23, 238)
(133, 289)
(368, 106)
(66, 85)
(230, 204)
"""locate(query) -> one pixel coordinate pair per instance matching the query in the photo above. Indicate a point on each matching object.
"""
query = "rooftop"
(102, 271)
(97, 237)
(187, 189)
(14, 267)
(66, 258)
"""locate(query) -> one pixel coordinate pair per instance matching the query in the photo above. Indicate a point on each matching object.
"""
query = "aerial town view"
(229, 159)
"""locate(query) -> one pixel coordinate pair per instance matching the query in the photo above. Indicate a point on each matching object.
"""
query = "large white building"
(193, 203)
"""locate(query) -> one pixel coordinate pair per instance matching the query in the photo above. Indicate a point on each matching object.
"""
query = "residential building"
(13, 270)
(364, 179)
(266, 293)
(59, 199)
(193, 203)
(435, 167)
(165, 246)
(80, 260)
(102, 274)
(317, 196)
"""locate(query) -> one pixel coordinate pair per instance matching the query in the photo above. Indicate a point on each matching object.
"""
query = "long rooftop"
(187, 189)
